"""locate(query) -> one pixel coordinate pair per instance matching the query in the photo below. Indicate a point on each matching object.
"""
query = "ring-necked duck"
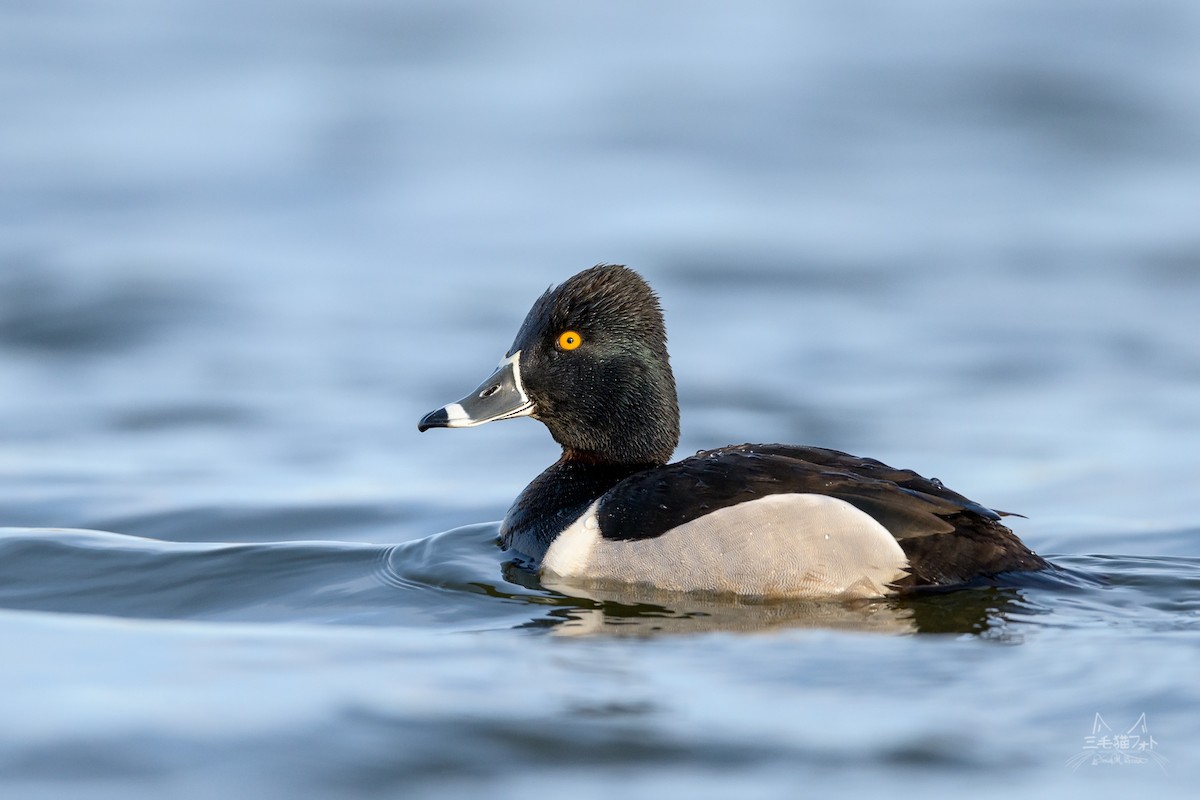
(773, 520)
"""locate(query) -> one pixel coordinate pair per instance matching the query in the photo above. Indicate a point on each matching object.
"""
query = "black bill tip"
(434, 419)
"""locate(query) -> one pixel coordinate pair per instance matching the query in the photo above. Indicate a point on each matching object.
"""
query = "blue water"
(245, 246)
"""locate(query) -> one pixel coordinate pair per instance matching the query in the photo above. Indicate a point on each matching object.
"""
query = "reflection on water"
(985, 610)
(648, 614)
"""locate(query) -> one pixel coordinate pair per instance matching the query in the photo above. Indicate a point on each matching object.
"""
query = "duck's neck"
(557, 497)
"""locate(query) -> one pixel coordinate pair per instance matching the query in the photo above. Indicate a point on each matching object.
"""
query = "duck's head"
(590, 362)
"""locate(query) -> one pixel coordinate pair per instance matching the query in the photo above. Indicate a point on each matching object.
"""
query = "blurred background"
(245, 245)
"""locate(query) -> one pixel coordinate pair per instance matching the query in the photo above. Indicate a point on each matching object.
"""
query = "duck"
(767, 521)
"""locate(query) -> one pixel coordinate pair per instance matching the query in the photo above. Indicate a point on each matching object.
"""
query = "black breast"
(947, 538)
(555, 499)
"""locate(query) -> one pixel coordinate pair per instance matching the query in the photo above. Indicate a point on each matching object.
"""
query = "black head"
(590, 361)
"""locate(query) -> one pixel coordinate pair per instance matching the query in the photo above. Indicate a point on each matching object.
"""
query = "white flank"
(783, 545)
(570, 554)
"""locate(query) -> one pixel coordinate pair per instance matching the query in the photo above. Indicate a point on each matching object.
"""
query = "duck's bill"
(499, 397)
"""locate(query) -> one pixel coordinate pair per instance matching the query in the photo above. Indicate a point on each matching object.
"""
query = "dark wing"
(948, 539)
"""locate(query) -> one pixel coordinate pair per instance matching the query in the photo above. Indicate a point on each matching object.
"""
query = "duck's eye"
(569, 340)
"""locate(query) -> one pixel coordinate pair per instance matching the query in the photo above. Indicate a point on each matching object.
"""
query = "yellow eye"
(569, 340)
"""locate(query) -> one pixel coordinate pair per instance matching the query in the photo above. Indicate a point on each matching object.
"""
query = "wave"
(460, 580)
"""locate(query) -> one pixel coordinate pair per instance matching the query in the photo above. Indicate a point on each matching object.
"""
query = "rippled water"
(243, 247)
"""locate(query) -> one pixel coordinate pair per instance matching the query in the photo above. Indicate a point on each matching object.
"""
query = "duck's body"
(761, 520)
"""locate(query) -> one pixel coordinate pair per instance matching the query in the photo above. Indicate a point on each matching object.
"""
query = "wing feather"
(947, 538)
